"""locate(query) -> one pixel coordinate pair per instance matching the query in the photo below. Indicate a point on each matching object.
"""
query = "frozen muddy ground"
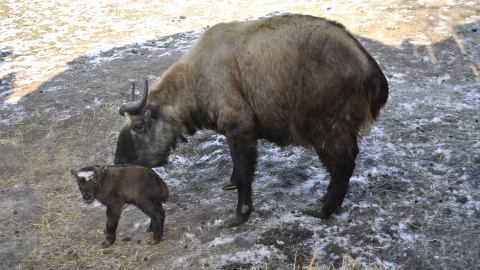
(414, 198)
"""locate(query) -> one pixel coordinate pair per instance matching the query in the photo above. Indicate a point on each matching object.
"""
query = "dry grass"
(67, 240)
(48, 222)
(58, 232)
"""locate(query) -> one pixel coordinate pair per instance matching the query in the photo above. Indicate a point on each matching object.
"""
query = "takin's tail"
(380, 96)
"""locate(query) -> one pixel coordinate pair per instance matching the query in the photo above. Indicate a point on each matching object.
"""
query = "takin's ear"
(151, 112)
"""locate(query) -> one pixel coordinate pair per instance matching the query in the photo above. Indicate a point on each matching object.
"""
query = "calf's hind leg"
(153, 208)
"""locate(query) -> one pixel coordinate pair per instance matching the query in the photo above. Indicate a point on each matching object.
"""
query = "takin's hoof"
(237, 220)
(324, 198)
(229, 186)
(323, 213)
(316, 213)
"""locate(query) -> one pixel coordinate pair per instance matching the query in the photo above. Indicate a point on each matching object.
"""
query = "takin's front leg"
(113, 215)
(243, 149)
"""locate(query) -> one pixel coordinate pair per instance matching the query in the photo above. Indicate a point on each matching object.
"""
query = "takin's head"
(88, 182)
(147, 138)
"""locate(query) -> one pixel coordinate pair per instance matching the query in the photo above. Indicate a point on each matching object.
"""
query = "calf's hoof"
(150, 228)
(107, 244)
(154, 242)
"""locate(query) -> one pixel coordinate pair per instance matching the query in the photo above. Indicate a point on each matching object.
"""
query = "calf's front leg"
(113, 215)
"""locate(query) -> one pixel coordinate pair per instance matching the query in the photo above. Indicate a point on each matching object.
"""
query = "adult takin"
(115, 186)
(290, 79)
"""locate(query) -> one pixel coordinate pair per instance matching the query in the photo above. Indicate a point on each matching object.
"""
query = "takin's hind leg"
(243, 149)
(340, 166)
(232, 183)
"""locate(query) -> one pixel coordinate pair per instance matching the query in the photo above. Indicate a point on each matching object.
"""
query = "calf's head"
(147, 138)
(88, 180)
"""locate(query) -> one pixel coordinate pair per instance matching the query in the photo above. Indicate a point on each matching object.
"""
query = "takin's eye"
(137, 126)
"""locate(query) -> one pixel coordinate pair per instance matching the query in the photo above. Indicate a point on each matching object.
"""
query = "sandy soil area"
(414, 202)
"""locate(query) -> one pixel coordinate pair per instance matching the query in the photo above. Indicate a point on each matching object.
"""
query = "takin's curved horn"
(135, 107)
(132, 93)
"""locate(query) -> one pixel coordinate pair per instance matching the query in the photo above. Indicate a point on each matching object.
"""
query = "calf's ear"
(73, 172)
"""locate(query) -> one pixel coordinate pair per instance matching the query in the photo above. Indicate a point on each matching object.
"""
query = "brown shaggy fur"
(291, 79)
(115, 186)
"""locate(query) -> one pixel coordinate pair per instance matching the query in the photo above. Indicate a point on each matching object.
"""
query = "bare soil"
(414, 199)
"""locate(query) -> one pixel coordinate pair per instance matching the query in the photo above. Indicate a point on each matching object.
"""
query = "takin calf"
(290, 79)
(114, 186)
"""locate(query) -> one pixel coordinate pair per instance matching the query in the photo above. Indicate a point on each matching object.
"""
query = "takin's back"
(293, 71)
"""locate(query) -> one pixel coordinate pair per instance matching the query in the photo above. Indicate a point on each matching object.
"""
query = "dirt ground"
(413, 202)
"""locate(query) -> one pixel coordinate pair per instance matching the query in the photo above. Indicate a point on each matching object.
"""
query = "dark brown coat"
(115, 186)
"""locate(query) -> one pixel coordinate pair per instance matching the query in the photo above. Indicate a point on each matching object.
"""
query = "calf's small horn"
(135, 107)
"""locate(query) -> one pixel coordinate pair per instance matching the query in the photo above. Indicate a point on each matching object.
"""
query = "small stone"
(462, 199)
